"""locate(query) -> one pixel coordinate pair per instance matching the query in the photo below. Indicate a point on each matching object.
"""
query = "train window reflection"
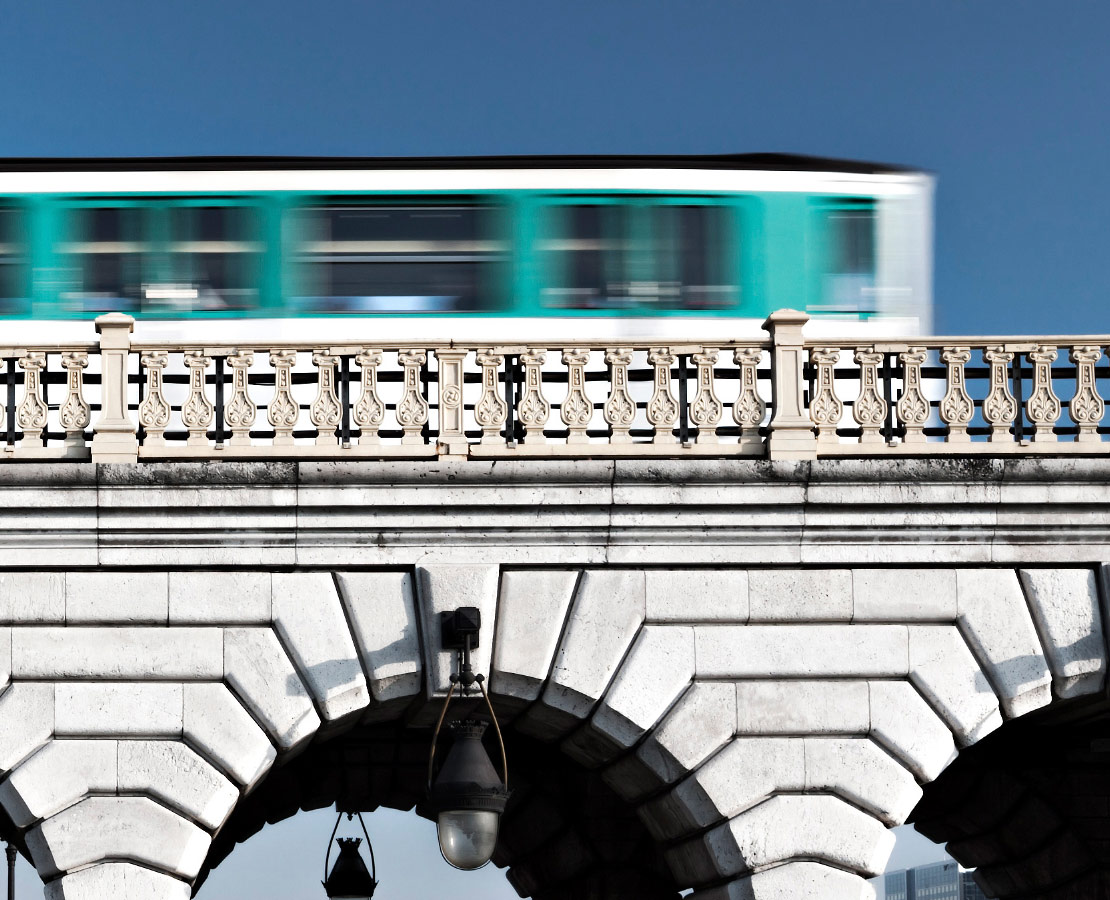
(400, 259)
(215, 260)
(13, 259)
(849, 272)
(651, 257)
(104, 254)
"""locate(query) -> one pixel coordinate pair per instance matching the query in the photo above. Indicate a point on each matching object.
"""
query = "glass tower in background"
(936, 881)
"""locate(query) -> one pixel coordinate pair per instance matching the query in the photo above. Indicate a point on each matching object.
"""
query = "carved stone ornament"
(999, 406)
(662, 410)
(283, 411)
(619, 410)
(491, 410)
(240, 411)
(870, 408)
(1086, 407)
(154, 411)
(74, 414)
(197, 411)
(825, 409)
(369, 411)
(912, 407)
(325, 411)
(31, 414)
(1043, 406)
(412, 411)
(577, 410)
(956, 408)
(749, 409)
(533, 409)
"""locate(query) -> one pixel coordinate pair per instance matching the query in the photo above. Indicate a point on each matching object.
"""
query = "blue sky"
(1004, 101)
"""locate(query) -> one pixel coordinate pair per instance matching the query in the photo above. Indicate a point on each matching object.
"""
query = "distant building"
(937, 881)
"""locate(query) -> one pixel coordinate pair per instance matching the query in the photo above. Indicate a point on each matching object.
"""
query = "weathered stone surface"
(909, 728)
(224, 598)
(1065, 607)
(106, 828)
(802, 707)
(800, 595)
(697, 595)
(32, 597)
(793, 881)
(118, 654)
(943, 669)
(800, 651)
(60, 774)
(382, 611)
(531, 613)
(904, 595)
(171, 772)
(996, 618)
(26, 721)
(313, 628)
(109, 709)
(117, 597)
(857, 770)
(264, 678)
(117, 879)
(223, 731)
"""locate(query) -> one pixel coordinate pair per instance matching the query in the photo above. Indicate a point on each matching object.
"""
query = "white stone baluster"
(154, 411)
(369, 411)
(913, 406)
(412, 411)
(533, 409)
(999, 406)
(197, 411)
(491, 410)
(825, 408)
(75, 414)
(325, 411)
(662, 410)
(1086, 407)
(240, 412)
(283, 411)
(956, 408)
(1043, 406)
(31, 414)
(452, 432)
(870, 408)
(749, 409)
(706, 410)
(620, 410)
(577, 410)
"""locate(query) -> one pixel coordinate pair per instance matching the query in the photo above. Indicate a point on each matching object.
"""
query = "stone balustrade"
(787, 397)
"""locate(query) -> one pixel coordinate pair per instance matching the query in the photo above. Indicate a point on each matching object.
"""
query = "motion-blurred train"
(487, 249)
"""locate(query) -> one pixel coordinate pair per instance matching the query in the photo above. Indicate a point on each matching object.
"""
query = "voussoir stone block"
(697, 595)
(310, 619)
(60, 774)
(904, 595)
(117, 879)
(117, 597)
(802, 707)
(1066, 609)
(118, 653)
(800, 595)
(858, 770)
(909, 728)
(32, 598)
(444, 588)
(793, 881)
(26, 721)
(996, 618)
(171, 772)
(219, 726)
(111, 709)
(382, 611)
(223, 598)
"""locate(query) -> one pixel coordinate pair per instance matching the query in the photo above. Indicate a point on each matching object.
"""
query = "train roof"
(782, 162)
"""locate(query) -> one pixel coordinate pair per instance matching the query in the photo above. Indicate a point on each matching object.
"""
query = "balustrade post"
(114, 436)
(792, 434)
(452, 433)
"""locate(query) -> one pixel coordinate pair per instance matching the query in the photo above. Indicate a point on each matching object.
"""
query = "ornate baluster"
(1086, 407)
(283, 411)
(412, 411)
(325, 412)
(491, 411)
(369, 411)
(533, 409)
(825, 409)
(956, 408)
(706, 410)
(870, 408)
(619, 409)
(197, 411)
(75, 415)
(154, 411)
(912, 406)
(662, 409)
(31, 414)
(577, 410)
(749, 409)
(1043, 406)
(240, 412)
(999, 406)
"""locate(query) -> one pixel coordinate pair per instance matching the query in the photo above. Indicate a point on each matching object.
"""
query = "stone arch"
(767, 725)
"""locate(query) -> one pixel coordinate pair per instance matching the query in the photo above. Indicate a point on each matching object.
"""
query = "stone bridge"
(727, 660)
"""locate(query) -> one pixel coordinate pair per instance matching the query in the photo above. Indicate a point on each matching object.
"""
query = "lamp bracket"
(457, 625)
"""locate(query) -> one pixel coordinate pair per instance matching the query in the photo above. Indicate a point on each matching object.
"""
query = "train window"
(849, 271)
(399, 259)
(639, 256)
(214, 260)
(105, 250)
(13, 260)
